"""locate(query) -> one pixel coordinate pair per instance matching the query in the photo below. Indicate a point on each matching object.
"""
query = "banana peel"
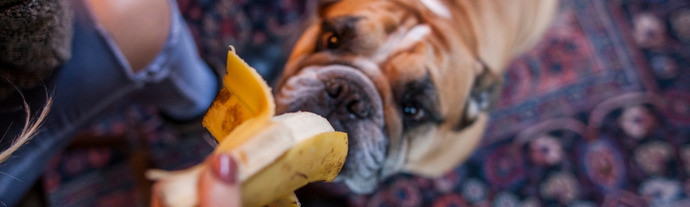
(245, 95)
(275, 155)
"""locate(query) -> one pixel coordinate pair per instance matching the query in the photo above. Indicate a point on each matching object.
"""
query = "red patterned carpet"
(598, 114)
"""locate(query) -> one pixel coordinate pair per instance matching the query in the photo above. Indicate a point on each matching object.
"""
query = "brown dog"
(410, 81)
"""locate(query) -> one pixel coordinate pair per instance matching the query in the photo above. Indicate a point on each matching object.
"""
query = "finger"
(156, 200)
(218, 185)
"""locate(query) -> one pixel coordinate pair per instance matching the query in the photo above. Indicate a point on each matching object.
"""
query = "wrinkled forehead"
(383, 29)
(408, 41)
(369, 22)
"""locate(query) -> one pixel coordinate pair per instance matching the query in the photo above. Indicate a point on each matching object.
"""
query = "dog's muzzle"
(351, 103)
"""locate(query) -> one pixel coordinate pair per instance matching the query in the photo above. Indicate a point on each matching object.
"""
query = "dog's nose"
(338, 93)
(342, 92)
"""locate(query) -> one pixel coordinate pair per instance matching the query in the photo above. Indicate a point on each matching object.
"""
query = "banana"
(244, 95)
(275, 155)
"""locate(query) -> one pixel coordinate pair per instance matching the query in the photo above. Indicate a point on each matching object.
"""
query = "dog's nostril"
(341, 93)
(334, 88)
(358, 107)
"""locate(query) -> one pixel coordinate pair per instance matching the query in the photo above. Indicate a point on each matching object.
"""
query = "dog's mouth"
(351, 103)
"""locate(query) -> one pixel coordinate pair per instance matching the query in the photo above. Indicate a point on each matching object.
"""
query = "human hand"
(218, 184)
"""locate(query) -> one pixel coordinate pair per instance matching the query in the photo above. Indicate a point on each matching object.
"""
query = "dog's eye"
(330, 40)
(414, 113)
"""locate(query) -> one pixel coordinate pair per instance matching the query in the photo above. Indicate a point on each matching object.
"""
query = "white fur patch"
(437, 7)
(402, 39)
(414, 35)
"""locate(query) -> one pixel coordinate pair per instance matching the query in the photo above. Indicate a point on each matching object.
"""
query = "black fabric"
(35, 38)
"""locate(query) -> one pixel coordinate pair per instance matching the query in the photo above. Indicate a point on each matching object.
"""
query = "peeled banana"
(275, 155)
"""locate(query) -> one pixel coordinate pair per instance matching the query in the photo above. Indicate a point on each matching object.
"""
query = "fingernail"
(224, 168)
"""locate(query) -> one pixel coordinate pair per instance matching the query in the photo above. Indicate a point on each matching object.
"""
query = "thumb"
(218, 185)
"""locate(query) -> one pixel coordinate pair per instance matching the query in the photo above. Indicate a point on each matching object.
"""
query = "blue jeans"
(94, 79)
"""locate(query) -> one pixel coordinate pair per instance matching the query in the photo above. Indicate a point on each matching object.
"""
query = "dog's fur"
(410, 81)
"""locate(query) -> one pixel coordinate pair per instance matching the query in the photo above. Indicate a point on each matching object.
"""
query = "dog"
(410, 81)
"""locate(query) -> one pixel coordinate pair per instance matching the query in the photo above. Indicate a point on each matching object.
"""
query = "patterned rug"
(598, 114)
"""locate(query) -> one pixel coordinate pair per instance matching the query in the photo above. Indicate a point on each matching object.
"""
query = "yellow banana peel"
(275, 155)
(245, 95)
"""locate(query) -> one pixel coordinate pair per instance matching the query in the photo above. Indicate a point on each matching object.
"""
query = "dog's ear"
(483, 95)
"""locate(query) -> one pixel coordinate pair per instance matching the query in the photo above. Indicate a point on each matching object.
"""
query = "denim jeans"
(93, 80)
